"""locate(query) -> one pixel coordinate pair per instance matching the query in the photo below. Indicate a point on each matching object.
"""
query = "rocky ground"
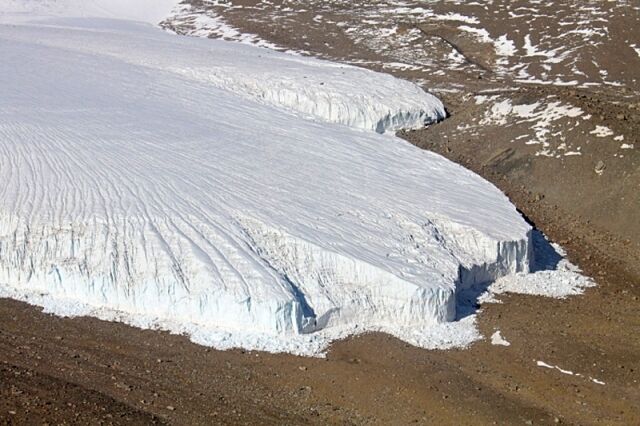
(544, 101)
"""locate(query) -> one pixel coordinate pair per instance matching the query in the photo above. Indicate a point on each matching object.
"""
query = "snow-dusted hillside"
(223, 190)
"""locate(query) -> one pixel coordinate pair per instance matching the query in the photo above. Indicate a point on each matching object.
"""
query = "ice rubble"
(143, 182)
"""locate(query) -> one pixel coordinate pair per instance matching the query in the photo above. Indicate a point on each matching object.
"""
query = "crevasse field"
(243, 196)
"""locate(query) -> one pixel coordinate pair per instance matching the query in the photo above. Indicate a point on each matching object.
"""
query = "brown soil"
(86, 371)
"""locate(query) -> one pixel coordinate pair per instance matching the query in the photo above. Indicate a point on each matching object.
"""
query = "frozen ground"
(239, 195)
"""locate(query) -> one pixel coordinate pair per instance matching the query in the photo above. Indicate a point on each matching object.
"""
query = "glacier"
(242, 196)
(303, 86)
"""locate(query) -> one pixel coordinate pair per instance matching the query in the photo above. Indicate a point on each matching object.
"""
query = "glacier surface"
(306, 87)
(219, 190)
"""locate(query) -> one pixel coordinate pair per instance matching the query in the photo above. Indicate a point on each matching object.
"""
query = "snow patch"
(538, 115)
(567, 372)
(504, 46)
(601, 131)
(497, 339)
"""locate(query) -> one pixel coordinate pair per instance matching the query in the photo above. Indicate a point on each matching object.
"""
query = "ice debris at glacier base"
(552, 275)
(222, 191)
